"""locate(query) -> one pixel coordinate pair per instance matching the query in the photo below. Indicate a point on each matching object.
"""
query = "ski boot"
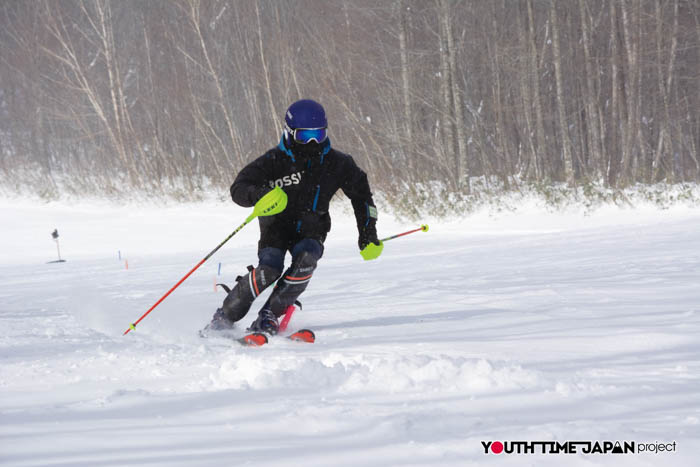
(266, 322)
(219, 322)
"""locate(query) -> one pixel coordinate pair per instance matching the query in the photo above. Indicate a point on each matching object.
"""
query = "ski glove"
(368, 235)
(372, 251)
(370, 246)
(273, 202)
(367, 225)
(258, 192)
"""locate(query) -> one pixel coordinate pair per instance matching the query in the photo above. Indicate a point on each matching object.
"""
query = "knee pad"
(271, 257)
(309, 245)
(248, 287)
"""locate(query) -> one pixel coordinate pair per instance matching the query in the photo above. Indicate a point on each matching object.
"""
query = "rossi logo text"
(287, 180)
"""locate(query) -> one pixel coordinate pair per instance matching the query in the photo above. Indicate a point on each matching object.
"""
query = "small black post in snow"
(54, 235)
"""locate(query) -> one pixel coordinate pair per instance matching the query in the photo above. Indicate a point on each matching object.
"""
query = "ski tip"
(304, 335)
(255, 339)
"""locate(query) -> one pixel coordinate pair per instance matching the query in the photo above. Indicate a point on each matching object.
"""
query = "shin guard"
(292, 284)
(248, 287)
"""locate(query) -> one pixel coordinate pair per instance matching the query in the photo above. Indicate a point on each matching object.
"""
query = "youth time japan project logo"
(576, 447)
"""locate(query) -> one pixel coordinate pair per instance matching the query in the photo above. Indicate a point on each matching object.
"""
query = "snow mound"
(337, 372)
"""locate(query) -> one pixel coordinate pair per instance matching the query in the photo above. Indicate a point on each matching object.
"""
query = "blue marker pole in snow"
(120, 254)
(219, 269)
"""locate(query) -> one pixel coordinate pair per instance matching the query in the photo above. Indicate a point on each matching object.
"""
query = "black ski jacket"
(310, 185)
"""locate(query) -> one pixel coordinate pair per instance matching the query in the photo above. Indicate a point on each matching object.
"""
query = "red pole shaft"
(164, 296)
(211, 253)
(400, 235)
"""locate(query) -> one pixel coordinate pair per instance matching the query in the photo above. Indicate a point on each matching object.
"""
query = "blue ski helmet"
(305, 114)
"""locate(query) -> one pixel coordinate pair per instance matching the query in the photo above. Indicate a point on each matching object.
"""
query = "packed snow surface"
(526, 326)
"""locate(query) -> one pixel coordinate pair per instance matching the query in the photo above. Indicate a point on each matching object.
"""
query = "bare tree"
(465, 95)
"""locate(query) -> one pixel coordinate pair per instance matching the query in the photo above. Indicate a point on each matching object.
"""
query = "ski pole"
(272, 203)
(423, 228)
(372, 250)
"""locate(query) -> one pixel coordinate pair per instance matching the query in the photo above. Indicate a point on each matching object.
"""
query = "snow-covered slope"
(526, 327)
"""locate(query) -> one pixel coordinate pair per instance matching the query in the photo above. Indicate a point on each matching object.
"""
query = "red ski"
(257, 339)
(303, 335)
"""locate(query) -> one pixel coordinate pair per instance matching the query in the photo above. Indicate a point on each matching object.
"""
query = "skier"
(310, 171)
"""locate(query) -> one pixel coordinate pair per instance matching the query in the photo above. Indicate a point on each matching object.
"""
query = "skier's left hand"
(370, 246)
(368, 235)
(372, 250)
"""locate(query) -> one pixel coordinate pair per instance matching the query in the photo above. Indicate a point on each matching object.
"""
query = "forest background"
(444, 103)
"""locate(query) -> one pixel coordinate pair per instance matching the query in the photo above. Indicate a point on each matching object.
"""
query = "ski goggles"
(306, 135)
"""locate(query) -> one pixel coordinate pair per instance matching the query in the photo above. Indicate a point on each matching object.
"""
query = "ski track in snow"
(481, 330)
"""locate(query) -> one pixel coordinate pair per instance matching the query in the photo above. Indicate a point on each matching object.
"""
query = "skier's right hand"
(271, 203)
(258, 192)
